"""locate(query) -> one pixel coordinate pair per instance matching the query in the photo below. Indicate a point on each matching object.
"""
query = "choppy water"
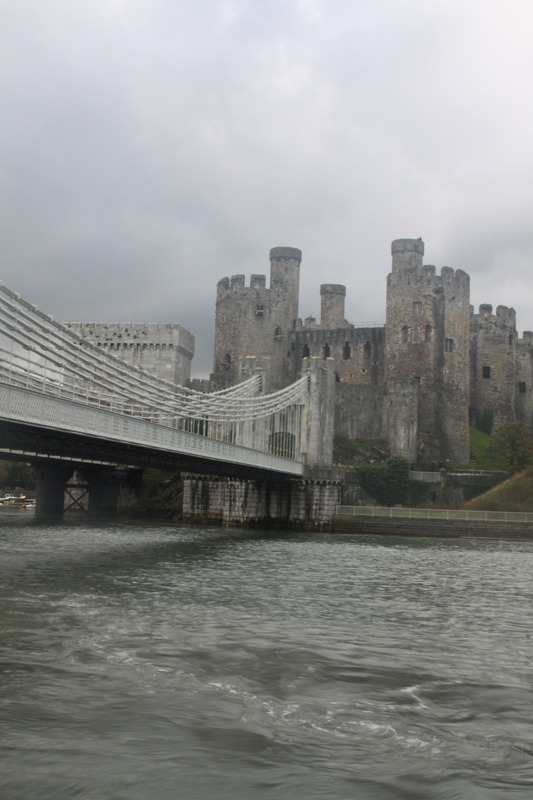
(151, 661)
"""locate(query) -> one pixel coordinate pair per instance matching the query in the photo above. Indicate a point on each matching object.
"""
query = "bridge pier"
(266, 503)
(104, 487)
(50, 491)
(52, 478)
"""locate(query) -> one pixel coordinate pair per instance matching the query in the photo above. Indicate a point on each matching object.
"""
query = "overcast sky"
(149, 148)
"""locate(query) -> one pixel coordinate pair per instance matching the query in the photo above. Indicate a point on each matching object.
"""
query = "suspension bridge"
(66, 402)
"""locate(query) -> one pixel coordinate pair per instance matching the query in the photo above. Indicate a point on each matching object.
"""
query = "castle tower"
(524, 380)
(332, 297)
(254, 321)
(407, 254)
(285, 284)
(493, 367)
(427, 341)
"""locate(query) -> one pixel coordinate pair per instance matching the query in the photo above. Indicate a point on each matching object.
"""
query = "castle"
(417, 382)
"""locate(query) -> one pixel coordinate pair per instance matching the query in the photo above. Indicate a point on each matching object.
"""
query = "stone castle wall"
(417, 382)
(358, 352)
(163, 349)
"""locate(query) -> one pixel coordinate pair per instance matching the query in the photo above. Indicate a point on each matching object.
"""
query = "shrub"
(388, 483)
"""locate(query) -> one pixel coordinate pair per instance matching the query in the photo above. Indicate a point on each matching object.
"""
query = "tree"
(16, 474)
(511, 445)
(388, 483)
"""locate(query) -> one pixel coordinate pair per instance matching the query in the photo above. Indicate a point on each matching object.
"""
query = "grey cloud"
(150, 148)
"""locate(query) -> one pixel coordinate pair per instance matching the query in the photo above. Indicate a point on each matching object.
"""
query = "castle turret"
(493, 367)
(332, 305)
(427, 333)
(407, 254)
(285, 284)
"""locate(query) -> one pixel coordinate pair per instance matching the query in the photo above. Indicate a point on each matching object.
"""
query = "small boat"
(13, 500)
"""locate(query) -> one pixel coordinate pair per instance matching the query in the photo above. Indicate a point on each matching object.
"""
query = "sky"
(149, 148)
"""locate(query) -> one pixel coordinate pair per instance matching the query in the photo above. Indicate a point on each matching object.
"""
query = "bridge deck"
(53, 425)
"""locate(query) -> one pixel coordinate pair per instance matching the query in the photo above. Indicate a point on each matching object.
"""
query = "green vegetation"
(479, 442)
(514, 494)
(16, 475)
(512, 446)
(388, 483)
(351, 452)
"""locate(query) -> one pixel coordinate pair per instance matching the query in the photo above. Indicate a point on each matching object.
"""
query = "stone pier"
(284, 504)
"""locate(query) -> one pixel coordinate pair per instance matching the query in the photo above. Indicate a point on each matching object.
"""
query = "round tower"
(407, 253)
(285, 283)
(332, 305)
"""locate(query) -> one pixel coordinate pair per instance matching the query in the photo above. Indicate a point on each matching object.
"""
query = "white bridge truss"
(51, 374)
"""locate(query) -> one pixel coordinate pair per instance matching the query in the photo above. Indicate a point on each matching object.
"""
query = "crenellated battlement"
(504, 316)
(165, 349)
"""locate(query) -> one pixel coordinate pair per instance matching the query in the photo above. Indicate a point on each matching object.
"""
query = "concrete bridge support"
(50, 494)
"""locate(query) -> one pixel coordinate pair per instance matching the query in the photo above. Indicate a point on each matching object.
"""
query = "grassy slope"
(514, 494)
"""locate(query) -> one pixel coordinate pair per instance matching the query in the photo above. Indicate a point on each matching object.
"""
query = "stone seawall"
(449, 529)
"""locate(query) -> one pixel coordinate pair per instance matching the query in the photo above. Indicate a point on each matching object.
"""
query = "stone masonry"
(418, 381)
(162, 349)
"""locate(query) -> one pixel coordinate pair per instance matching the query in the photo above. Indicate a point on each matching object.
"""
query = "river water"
(153, 661)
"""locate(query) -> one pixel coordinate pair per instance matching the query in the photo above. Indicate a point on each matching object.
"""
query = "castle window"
(510, 339)
(522, 387)
(305, 351)
(417, 308)
(427, 333)
(366, 349)
(405, 334)
(485, 371)
(346, 351)
(327, 350)
(259, 311)
(415, 334)
(278, 334)
(227, 361)
(449, 345)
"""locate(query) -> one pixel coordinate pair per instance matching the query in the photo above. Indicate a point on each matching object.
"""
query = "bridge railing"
(436, 514)
(21, 405)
